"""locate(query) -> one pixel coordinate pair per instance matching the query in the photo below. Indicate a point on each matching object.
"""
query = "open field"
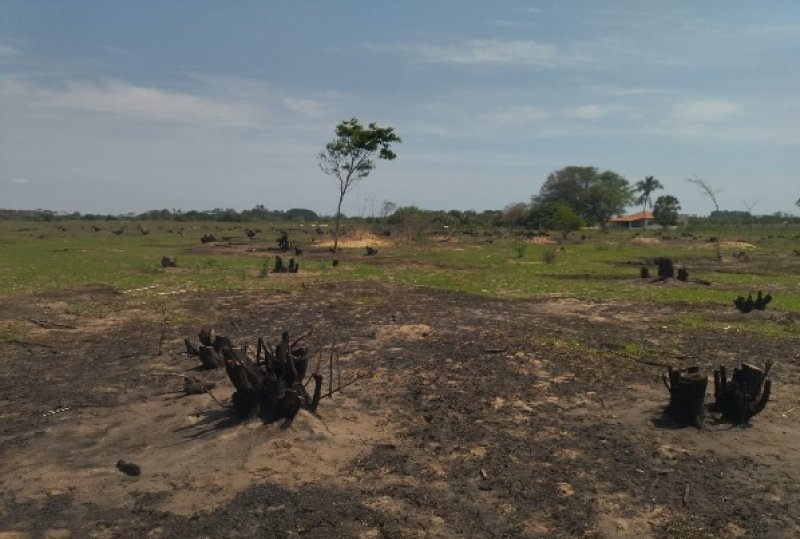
(510, 386)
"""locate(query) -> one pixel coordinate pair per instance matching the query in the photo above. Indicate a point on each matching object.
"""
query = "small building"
(633, 220)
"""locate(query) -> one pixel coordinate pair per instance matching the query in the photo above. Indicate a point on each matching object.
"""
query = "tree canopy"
(350, 157)
(665, 210)
(593, 195)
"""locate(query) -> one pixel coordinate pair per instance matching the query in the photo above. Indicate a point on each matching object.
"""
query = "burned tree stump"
(683, 274)
(207, 336)
(666, 270)
(371, 251)
(272, 385)
(293, 266)
(283, 241)
(745, 394)
(744, 305)
(687, 390)
(208, 238)
(644, 273)
(168, 262)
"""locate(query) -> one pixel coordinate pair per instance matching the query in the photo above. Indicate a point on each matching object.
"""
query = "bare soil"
(471, 418)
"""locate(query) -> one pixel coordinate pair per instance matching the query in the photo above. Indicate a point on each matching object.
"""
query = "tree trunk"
(336, 225)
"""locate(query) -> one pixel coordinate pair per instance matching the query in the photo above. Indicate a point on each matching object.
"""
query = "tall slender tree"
(646, 187)
(350, 157)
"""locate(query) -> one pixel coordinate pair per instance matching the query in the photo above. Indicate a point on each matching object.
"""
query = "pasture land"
(507, 385)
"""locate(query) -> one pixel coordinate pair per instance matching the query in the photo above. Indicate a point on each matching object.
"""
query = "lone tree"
(665, 210)
(595, 196)
(350, 157)
(646, 187)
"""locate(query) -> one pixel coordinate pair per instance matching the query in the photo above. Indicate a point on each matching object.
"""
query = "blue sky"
(111, 107)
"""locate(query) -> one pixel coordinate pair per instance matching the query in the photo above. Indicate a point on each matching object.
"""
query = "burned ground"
(472, 418)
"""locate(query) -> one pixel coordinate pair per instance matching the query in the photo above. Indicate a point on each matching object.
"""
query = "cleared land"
(499, 395)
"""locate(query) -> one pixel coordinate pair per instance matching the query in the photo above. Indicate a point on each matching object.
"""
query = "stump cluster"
(293, 266)
(745, 305)
(745, 394)
(737, 400)
(208, 238)
(269, 386)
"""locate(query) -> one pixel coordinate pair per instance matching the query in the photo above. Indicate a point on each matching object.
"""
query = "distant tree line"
(229, 215)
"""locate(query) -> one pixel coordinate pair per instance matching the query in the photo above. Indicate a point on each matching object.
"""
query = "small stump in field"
(745, 305)
(687, 390)
(168, 262)
(745, 394)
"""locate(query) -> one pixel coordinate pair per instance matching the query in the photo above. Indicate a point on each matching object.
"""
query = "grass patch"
(763, 328)
(602, 267)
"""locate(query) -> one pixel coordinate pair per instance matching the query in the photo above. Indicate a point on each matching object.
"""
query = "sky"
(116, 107)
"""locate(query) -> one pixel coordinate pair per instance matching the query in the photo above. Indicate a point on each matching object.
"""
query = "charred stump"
(283, 241)
(168, 262)
(271, 387)
(687, 390)
(745, 305)
(644, 272)
(745, 394)
(666, 270)
(683, 274)
(208, 238)
(371, 251)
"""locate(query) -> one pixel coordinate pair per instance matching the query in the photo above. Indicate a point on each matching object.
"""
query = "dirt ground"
(471, 418)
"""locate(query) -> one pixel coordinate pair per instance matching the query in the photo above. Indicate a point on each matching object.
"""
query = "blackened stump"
(687, 390)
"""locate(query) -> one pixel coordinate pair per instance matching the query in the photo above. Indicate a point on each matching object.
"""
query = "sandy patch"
(539, 240)
(736, 245)
(357, 239)
(646, 241)
(190, 452)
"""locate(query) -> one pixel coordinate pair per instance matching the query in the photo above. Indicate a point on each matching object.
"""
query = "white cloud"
(8, 52)
(516, 116)
(589, 112)
(307, 107)
(705, 110)
(148, 103)
(501, 23)
(482, 52)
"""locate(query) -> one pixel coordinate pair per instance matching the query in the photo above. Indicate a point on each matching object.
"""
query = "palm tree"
(646, 187)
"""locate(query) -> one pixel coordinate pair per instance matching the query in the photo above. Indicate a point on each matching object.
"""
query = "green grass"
(602, 267)
(765, 328)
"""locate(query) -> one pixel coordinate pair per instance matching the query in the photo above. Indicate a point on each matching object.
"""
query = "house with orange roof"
(633, 220)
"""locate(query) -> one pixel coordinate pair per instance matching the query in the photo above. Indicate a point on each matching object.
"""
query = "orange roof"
(633, 217)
